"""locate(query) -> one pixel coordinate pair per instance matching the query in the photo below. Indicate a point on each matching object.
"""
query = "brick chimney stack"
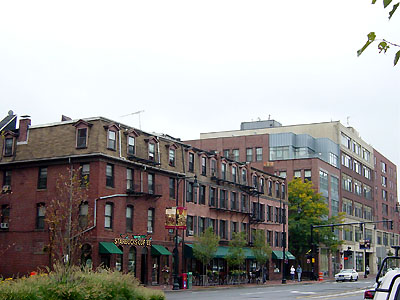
(24, 124)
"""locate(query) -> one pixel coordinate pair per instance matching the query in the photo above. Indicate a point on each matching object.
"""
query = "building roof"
(9, 122)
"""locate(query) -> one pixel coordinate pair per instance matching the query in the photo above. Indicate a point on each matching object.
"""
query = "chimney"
(24, 124)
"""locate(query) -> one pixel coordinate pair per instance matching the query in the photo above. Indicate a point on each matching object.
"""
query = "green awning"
(222, 252)
(276, 254)
(159, 250)
(249, 253)
(109, 248)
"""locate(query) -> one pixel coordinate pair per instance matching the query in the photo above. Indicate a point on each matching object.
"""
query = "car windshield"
(389, 263)
(346, 271)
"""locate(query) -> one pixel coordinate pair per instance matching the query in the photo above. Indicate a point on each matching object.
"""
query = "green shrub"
(74, 284)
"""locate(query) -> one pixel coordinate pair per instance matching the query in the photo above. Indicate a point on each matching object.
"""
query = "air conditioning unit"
(191, 232)
(3, 225)
(6, 188)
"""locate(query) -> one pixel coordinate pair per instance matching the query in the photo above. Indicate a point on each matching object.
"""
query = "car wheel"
(356, 278)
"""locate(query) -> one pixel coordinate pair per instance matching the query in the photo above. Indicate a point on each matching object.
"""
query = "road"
(320, 291)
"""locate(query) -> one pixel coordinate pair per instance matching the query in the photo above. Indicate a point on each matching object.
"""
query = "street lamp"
(176, 251)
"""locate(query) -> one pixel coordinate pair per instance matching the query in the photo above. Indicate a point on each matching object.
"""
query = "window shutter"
(216, 226)
(226, 229)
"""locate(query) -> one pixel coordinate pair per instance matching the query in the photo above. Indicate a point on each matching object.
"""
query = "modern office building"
(353, 177)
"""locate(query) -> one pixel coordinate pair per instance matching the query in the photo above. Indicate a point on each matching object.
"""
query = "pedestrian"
(299, 271)
(367, 270)
(292, 271)
(165, 272)
(264, 274)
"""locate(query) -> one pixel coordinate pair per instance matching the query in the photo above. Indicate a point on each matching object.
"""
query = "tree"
(205, 247)
(236, 257)
(261, 249)
(383, 45)
(306, 208)
(66, 217)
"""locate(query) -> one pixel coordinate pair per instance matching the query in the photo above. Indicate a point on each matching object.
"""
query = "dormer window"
(152, 151)
(112, 140)
(172, 157)
(131, 145)
(81, 134)
(81, 138)
(191, 162)
(8, 146)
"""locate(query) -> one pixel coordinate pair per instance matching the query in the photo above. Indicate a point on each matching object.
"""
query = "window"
(383, 167)
(346, 161)
(172, 188)
(384, 195)
(262, 185)
(367, 172)
(8, 146)
(357, 187)
(366, 154)
(150, 220)
(297, 174)
(368, 213)
(150, 183)
(347, 207)
(333, 159)
(108, 215)
(269, 187)
(347, 183)
(223, 171)
(259, 156)
(191, 162)
(307, 175)
(81, 138)
(244, 203)
(384, 181)
(7, 177)
(189, 192)
(189, 226)
(235, 154)
(110, 175)
(203, 165)
(129, 218)
(283, 191)
(385, 209)
(270, 212)
(40, 215)
(255, 181)
(83, 215)
(42, 178)
(152, 151)
(172, 157)
(223, 229)
(249, 154)
(346, 141)
(234, 201)
(358, 210)
(202, 222)
(234, 228)
(131, 145)
(367, 192)
(129, 179)
(277, 192)
(85, 172)
(226, 153)
(213, 194)
(132, 261)
(244, 228)
(244, 176)
(357, 167)
(279, 153)
(283, 174)
(277, 239)
(234, 174)
(112, 140)
(356, 148)
(5, 216)
(202, 199)
(223, 199)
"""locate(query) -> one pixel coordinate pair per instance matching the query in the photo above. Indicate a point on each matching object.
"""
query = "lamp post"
(176, 251)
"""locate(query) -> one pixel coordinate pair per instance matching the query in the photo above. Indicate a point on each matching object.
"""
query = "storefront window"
(359, 261)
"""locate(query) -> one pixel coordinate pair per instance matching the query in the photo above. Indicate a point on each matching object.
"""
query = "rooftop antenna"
(348, 118)
(135, 113)
(269, 117)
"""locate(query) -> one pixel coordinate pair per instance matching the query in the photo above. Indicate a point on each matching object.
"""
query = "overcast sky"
(201, 66)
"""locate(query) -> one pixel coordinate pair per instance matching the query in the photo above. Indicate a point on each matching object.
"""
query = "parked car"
(347, 274)
(387, 285)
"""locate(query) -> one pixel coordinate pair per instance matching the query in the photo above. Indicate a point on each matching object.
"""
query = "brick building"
(343, 167)
(133, 178)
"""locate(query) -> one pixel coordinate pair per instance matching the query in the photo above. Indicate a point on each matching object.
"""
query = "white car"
(347, 274)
